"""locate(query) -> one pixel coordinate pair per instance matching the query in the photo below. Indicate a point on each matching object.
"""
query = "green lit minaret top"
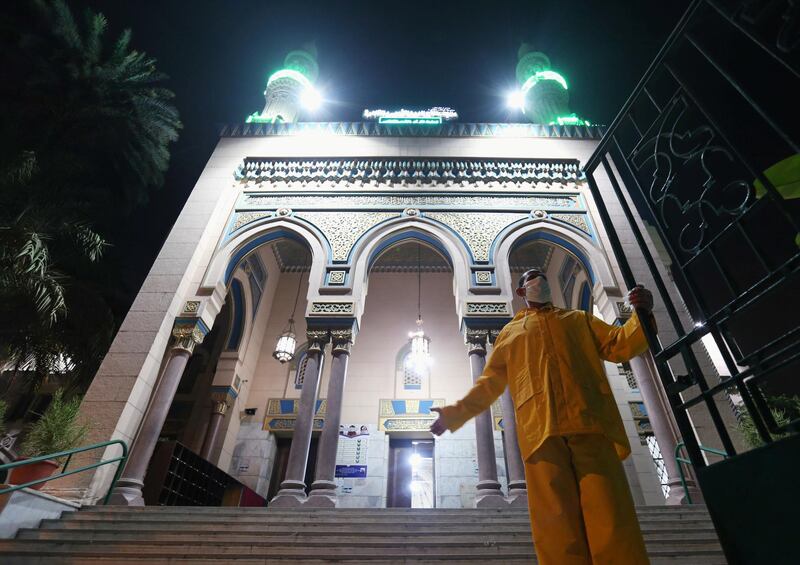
(544, 92)
(290, 88)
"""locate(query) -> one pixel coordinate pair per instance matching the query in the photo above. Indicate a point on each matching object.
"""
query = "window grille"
(658, 461)
(300, 373)
(625, 371)
(412, 375)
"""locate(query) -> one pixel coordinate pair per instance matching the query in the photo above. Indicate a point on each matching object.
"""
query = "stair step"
(225, 550)
(340, 511)
(169, 517)
(678, 535)
(213, 528)
(527, 560)
(326, 539)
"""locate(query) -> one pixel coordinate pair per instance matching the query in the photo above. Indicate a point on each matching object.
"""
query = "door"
(284, 445)
(411, 481)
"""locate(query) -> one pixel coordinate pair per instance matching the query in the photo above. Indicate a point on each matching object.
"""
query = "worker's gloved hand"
(438, 427)
(641, 298)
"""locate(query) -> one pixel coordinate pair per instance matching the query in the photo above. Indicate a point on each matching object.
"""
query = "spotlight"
(515, 99)
(311, 99)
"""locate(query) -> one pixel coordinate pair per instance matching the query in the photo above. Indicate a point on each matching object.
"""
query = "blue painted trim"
(586, 297)
(260, 240)
(546, 236)
(484, 323)
(202, 325)
(225, 389)
(410, 233)
(237, 324)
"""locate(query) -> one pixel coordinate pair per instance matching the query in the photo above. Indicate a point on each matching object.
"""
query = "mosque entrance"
(411, 474)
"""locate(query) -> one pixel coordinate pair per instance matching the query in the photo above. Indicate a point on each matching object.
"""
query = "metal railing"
(692, 153)
(64, 473)
(682, 474)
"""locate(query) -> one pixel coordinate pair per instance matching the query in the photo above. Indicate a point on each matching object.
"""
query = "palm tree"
(87, 138)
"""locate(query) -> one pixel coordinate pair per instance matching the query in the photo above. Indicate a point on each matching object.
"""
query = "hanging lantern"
(287, 343)
(420, 345)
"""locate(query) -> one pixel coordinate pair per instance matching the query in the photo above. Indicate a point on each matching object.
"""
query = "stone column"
(665, 432)
(323, 491)
(489, 494)
(293, 488)
(221, 400)
(186, 334)
(515, 468)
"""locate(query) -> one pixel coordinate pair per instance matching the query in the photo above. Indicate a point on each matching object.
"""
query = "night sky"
(371, 54)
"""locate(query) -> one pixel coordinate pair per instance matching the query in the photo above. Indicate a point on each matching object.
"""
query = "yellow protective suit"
(551, 360)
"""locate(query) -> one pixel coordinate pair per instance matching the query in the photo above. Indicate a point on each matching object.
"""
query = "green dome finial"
(545, 91)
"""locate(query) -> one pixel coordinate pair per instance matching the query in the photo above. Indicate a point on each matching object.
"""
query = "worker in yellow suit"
(569, 428)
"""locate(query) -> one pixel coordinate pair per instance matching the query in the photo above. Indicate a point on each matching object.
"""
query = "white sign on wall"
(351, 454)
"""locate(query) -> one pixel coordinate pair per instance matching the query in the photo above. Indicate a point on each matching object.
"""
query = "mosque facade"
(326, 284)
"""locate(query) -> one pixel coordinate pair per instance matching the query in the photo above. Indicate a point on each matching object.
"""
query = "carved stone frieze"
(486, 308)
(411, 203)
(417, 171)
(478, 230)
(331, 308)
(341, 234)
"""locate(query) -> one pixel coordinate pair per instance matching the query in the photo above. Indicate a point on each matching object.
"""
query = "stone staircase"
(118, 535)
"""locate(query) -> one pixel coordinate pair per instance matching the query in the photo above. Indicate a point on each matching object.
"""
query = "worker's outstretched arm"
(488, 387)
(622, 343)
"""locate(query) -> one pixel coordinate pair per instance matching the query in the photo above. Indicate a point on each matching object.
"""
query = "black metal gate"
(706, 150)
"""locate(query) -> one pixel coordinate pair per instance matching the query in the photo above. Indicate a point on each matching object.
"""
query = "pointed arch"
(589, 255)
(388, 234)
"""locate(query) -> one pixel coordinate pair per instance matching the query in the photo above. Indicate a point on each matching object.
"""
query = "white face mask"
(538, 290)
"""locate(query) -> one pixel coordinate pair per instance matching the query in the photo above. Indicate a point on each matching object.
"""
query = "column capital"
(317, 339)
(475, 339)
(187, 333)
(342, 339)
(222, 395)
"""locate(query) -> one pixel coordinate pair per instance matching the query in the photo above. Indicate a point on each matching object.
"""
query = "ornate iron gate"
(706, 150)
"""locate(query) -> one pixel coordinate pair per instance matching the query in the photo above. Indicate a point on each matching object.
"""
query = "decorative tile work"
(478, 230)
(497, 415)
(407, 414)
(486, 308)
(343, 234)
(282, 412)
(577, 220)
(244, 218)
(191, 307)
(457, 129)
(625, 310)
(336, 277)
(328, 308)
(483, 277)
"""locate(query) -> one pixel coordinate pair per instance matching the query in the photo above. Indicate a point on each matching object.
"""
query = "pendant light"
(287, 341)
(420, 343)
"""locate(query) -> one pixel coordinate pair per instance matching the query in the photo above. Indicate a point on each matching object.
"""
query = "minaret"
(288, 87)
(544, 91)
